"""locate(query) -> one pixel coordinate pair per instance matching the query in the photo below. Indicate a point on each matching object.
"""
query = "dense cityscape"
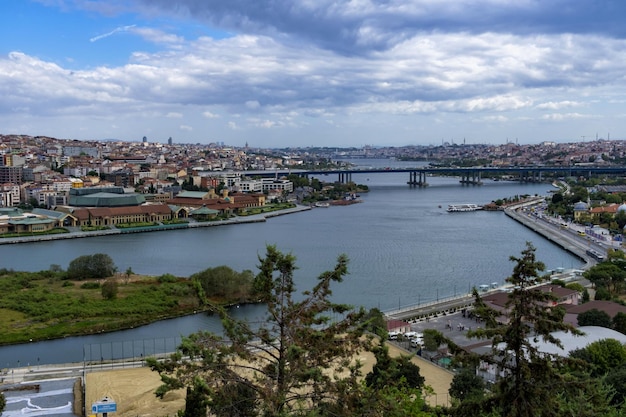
(42, 169)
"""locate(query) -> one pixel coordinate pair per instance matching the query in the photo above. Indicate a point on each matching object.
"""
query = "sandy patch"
(133, 389)
(133, 392)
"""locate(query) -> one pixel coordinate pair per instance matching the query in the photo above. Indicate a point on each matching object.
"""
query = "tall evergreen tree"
(301, 358)
(531, 379)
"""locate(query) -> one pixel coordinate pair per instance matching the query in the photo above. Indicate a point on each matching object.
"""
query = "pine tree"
(301, 358)
(532, 380)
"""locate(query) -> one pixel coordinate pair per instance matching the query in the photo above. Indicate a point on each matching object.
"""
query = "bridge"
(470, 175)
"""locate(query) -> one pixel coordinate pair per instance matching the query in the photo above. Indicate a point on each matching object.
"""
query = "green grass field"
(39, 306)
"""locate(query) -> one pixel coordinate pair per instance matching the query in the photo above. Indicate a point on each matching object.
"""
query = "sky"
(300, 73)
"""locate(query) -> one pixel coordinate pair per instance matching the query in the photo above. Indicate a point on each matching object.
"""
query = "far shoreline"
(253, 218)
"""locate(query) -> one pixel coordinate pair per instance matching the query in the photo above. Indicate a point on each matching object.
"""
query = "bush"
(91, 266)
(595, 317)
(602, 294)
(166, 278)
(90, 286)
(109, 289)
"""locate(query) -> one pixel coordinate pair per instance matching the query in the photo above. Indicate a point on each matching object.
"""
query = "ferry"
(454, 208)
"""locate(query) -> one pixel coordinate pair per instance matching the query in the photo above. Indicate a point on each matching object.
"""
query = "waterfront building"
(110, 216)
(225, 204)
(14, 220)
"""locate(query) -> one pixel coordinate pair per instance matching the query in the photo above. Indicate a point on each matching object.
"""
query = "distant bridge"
(471, 175)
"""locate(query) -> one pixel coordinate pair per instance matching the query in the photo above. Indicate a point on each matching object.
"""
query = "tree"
(620, 219)
(223, 282)
(616, 379)
(595, 317)
(398, 371)
(129, 272)
(531, 378)
(603, 356)
(619, 322)
(375, 323)
(109, 289)
(467, 385)
(432, 339)
(299, 359)
(3, 403)
(91, 266)
(608, 275)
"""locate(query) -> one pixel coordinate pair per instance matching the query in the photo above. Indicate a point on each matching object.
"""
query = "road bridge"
(469, 175)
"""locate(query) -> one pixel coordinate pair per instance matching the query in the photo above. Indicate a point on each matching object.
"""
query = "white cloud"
(252, 104)
(210, 115)
(326, 66)
(185, 127)
(551, 105)
(565, 116)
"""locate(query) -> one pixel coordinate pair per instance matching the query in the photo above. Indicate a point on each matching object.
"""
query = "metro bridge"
(470, 175)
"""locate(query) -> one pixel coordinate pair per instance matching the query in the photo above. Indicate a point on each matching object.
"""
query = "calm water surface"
(404, 248)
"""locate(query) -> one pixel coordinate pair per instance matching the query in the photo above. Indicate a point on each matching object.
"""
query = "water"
(404, 249)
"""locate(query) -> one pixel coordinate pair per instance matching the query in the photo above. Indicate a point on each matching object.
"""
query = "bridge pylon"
(417, 179)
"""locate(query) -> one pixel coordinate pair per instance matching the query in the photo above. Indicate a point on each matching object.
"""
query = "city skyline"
(324, 73)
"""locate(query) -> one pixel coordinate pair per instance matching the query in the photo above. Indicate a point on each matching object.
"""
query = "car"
(393, 335)
(417, 342)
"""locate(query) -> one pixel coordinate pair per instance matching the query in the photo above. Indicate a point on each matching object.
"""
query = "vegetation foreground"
(305, 358)
(92, 297)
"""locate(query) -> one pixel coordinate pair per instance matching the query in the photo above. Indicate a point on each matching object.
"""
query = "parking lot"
(453, 326)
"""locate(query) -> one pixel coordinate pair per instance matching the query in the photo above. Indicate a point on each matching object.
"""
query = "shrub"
(91, 266)
(166, 278)
(90, 286)
(109, 289)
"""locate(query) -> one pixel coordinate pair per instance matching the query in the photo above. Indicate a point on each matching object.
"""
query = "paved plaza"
(454, 326)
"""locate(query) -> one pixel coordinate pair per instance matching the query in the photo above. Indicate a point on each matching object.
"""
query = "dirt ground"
(133, 389)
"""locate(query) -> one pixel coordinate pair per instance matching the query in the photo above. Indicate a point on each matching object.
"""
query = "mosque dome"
(581, 206)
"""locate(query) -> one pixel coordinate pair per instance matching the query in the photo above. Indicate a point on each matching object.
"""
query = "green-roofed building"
(103, 197)
(203, 213)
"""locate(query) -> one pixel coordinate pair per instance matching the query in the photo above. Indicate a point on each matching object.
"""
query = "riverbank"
(76, 233)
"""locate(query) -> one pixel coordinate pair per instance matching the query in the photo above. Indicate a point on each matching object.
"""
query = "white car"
(417, 342)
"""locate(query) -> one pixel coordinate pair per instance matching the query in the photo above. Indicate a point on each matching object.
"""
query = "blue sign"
(102, 407)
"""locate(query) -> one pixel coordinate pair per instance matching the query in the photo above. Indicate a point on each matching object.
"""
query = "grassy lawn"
(38, 307)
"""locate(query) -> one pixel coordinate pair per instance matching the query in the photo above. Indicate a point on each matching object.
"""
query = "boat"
(322, 204)
(455, 208)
